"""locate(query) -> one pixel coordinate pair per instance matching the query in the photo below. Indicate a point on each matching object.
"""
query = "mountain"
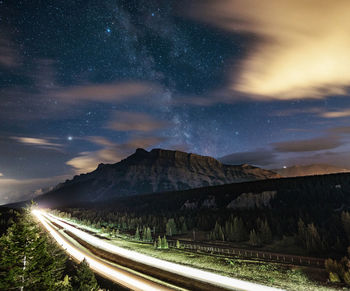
(155, 171)
(308, 170)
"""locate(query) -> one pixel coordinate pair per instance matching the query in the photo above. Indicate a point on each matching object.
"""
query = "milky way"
(84, 82)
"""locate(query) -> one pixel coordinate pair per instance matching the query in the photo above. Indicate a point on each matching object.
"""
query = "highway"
(119, 276)
(187, 273)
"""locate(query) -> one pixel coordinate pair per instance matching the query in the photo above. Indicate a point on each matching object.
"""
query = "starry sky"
(254, 81)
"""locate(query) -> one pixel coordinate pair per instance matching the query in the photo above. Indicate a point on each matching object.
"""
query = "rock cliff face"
(155, 171)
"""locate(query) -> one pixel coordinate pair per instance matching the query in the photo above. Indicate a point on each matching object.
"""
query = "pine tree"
(301, 231)
(144, 233)
(177, 244)
(148, 234)
(65, 285)
(184, 228)
(137, 234)
(254, 238)
(171, 227)
(264, 231)
(27, 259)
(159, 242)
(164, 243)
(239, 232)
(85, 278)
(345, 218)
(313, 239)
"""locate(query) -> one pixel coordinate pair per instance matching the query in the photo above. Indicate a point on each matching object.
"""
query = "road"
(111, 272)
(205, 278)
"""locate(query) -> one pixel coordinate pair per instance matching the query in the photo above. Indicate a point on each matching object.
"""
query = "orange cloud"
(302, 47)
(308, 145)
(8, 55)
(12, 190)
(108, 92)
(111, 152)
(37, 142)
(135, 121)
(336, 114)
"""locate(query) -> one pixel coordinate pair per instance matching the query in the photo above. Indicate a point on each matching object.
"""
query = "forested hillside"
(313, 211)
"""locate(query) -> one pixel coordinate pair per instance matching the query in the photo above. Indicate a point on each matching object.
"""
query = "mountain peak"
(140, 151)
(158, 170)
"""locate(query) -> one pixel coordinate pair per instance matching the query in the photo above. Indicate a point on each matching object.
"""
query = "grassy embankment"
(272, 274)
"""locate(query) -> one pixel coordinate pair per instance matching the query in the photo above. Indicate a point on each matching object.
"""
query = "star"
(108, 30)
(70, 138)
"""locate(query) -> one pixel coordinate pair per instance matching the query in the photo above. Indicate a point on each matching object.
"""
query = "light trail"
(187, 272)
(119, 276)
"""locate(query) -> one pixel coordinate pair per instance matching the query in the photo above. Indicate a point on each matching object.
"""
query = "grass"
(273, 274)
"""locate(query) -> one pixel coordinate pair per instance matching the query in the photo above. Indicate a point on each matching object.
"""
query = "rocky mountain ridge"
(155, 171)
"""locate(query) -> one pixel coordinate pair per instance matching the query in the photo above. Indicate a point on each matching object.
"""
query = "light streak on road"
(187, 272)
(121, 277)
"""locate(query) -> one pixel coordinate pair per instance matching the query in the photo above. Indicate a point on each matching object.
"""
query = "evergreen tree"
(27, 259)
(171, 227)
(137, 234)
(184, 228)
(85, 279)
(264, 231)
(177, 244)
(164, 243)
(309, 237)
(144, 233)
(65, 285)
(345, 218)
(239, 231)
(148, 234)
(218, 234)
(313, 239)
(254, 238)
(159, 242)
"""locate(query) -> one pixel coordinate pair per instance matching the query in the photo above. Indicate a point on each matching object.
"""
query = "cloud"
(111, 152)
(48, 99)
(1, 174)
(339, 159)
(259, 157)
(308, 145)
(13, 190)
(318, 111)
(336, 114)
(114, 92)
(340, 130)
(38, 142)
(135, 121)
(296, 111)
(8, 54)
(300, 48)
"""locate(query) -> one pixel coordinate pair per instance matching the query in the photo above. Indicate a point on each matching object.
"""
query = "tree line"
(31, 260)
(255, 228)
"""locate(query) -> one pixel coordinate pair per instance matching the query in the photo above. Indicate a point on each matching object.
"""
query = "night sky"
(85, 82)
